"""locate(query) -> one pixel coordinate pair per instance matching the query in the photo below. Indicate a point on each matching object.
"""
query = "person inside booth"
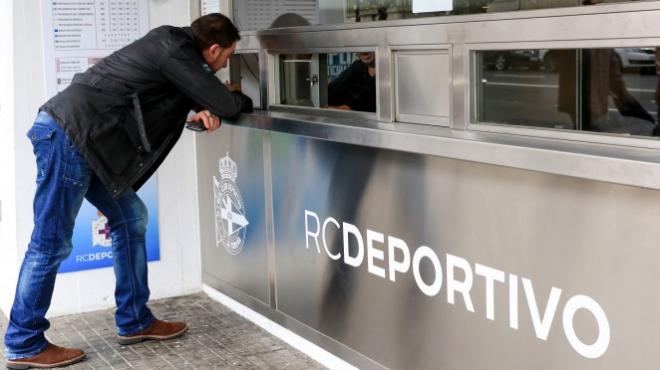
(355, 88)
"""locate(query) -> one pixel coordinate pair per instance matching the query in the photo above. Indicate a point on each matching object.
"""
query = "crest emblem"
(230, 221)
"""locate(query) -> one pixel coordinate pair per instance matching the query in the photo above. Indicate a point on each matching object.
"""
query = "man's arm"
(203, 88)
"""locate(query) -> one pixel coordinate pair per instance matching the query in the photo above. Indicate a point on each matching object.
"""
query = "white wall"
(7, 187)
(179, 270)
(22, 92)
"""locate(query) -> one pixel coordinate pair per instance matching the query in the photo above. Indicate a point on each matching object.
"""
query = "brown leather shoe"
(158, 330)
(52, 356)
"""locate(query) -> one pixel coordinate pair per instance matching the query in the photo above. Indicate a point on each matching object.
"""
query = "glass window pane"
(296, 73)
(609, 90)
(342, 81)
(244, 71)
(260, 14)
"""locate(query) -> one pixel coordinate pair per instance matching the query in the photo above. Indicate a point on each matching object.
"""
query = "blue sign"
(338, 62)
(92, 246)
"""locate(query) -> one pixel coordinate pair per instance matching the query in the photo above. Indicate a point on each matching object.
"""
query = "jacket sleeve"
(202, 87)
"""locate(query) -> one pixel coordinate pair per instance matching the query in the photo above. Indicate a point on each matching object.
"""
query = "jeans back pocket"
(41, 137)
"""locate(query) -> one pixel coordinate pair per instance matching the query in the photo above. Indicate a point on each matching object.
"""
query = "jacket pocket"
(42, 144)
(113, 147)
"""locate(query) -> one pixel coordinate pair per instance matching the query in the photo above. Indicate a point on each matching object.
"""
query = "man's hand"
(210, 120)
(340, 107)
(233, 87)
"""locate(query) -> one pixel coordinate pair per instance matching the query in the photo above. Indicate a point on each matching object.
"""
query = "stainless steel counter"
(601, 162)
(411, 246)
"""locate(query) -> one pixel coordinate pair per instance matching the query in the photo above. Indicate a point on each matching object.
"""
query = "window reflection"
(260, 14)
(610, 90)
(377, 10)
(342, 81)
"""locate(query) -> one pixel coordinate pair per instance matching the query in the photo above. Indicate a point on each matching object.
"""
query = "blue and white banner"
(92, 246)
(338, 62)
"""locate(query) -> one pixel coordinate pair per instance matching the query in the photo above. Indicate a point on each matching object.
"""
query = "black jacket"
(125, 113)
(355, 88)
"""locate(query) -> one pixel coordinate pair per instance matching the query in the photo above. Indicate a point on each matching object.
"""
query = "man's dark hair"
(214, 28)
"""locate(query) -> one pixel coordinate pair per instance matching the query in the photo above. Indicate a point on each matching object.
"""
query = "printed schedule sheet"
(79, 33)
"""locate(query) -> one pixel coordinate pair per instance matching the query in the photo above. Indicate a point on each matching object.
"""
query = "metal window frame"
(259, 72)
(542, 132)
(628, 6)
(612, 158)
(461, 34)
(273, 56)
(422, 49)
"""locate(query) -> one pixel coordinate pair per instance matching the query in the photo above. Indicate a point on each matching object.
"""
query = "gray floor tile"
(218, 339)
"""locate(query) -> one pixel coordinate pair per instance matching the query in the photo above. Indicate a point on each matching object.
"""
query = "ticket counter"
(498, 209)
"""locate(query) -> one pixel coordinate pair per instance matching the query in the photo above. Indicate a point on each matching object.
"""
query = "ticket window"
(607, 90)
(244, 70)
(343, 81)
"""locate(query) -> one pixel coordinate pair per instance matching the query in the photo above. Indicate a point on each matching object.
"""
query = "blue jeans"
(63, 180)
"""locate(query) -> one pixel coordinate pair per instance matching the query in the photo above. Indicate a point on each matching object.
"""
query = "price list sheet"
(79, 33)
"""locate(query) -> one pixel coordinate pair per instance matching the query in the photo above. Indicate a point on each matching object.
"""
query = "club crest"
(101, 232)
(230, 220)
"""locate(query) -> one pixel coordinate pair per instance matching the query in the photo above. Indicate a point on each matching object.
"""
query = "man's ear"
(215, 50)
(211, 53)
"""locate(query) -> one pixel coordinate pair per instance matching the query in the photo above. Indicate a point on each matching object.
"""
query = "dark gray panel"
(247, 270)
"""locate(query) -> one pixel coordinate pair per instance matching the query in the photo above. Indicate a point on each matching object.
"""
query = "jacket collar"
(189, 33)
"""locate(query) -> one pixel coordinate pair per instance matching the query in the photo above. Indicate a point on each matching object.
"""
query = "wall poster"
(92, 244)
(77, 35)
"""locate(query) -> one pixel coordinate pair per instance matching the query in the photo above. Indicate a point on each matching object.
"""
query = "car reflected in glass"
(501, 60)
(630, 59)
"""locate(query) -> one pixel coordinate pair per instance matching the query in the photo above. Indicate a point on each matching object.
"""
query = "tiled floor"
(218, 339)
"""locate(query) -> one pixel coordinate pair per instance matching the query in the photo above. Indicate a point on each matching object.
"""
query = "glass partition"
(244, 71)
(260, 14)
(340, 81)
(608, 90)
